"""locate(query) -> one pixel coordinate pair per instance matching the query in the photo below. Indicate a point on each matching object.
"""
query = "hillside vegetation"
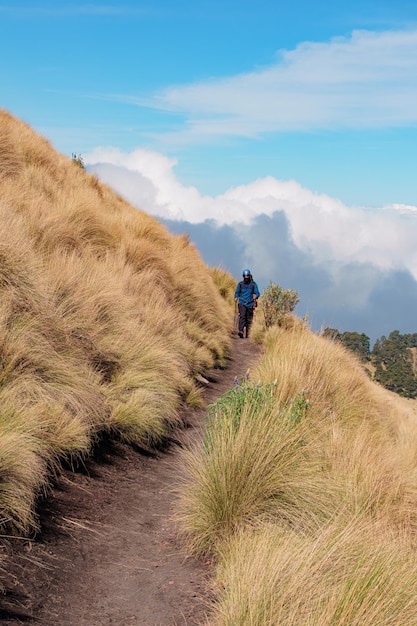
(304, 487)
(105, 319)
(304, 490)
(391, 362)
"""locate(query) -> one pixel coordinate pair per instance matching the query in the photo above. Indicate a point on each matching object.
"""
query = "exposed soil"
(108, 552)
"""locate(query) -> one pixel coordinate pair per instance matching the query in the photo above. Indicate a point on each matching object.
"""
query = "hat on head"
(246, 273)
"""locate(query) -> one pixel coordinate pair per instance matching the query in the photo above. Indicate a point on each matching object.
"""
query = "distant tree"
(394, 364)
(408, 341)
(358, 343)
(332, 333)
(412, 340)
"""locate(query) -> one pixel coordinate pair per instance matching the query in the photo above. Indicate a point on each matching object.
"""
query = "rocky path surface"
(108, 553)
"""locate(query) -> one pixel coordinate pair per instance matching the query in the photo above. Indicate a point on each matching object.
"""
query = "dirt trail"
(108, 553)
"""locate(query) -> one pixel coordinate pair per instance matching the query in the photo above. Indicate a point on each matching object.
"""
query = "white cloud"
(366, 80)
(335, 235)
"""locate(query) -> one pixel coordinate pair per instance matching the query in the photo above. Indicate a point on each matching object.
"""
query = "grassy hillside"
(305, 491)
(105, 318)
(304, 488)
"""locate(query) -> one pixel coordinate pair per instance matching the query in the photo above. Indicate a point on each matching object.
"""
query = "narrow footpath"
(108, 552)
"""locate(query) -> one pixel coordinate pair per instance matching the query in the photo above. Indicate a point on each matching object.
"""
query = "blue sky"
(295, 121)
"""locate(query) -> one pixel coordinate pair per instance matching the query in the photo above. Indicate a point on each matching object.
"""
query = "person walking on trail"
(246, 295)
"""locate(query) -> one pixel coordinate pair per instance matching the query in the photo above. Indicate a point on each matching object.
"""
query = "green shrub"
(277, 304)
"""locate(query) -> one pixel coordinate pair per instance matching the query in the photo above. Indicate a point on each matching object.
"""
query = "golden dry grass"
(305, 490)
(349, 574)
(105, 318)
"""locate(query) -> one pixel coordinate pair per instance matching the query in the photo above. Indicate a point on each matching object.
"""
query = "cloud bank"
(355, 268)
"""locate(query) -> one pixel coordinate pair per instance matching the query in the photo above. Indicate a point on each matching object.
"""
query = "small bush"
(78, 160)
(277, 304)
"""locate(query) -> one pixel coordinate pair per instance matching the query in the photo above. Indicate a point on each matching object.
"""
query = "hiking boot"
(240, 334)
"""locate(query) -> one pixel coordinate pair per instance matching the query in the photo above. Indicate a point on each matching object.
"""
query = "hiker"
(246, 295)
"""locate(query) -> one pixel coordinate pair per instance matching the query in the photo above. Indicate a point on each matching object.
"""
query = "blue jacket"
(246, 291)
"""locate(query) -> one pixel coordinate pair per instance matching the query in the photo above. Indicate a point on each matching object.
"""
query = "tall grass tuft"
(354, 574)
(256, 463)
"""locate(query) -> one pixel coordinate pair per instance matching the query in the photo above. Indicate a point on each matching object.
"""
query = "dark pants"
(245, 317)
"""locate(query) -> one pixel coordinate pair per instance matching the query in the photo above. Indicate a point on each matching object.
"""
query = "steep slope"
(105, 318)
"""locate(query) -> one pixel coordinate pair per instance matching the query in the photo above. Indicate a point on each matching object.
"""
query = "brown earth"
(108, 552)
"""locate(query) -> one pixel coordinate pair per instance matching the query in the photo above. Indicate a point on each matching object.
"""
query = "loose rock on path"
(108, 553)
